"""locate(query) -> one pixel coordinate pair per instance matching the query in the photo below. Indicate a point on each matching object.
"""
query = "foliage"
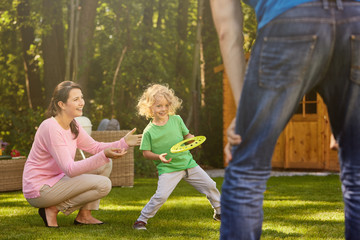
(249, 27)
(141, 66)
(306, 207)
(19, 128)
(160, 44)
(143, 167)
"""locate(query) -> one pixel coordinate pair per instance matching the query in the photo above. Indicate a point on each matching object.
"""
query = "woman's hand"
(133, 140)
(163, 159)
(114, 152)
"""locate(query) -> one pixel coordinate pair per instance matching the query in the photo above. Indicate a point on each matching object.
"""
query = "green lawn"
(305, 207)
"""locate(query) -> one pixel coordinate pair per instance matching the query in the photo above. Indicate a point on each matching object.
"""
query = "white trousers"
(196, 176)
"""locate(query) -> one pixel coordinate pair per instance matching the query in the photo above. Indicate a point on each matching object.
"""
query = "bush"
(142, 166)
(19, 128)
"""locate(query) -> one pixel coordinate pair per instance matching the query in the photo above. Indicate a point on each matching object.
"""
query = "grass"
(305, 207)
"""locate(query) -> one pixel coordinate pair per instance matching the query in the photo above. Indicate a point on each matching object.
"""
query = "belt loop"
(186, 173)
(326, 4)
(339, 5)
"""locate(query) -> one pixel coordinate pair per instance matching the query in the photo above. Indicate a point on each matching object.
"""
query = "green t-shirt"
(159, 139)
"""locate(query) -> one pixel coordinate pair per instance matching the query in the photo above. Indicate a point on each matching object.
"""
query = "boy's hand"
(163, 159)
(133, 140)
(114, 152)
(189, 135)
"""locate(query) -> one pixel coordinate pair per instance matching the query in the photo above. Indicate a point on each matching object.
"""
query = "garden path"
(221, 172)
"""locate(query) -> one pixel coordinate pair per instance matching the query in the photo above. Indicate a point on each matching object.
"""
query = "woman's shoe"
(80, 223)
(42, 214)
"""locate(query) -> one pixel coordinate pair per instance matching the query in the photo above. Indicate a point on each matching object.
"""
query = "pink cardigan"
(52, 156)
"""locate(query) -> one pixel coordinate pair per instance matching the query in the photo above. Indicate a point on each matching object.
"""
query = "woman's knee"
(104, 186)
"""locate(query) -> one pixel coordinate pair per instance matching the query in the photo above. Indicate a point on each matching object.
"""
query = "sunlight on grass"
(303, 207)
(121, 207)
(327, 216)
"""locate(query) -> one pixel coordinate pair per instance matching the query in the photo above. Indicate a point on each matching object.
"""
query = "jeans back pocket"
(285, 60)
(355, 59)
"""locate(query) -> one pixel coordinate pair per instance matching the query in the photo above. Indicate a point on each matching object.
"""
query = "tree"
(193, 115)
(85, 41)
(148, 23)
(181, 64)
(212, 111)
(31, 67)
(53, 45)
(73, 30)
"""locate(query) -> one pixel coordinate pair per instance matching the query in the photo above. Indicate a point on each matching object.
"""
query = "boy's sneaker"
(217, 217)
(139, 225)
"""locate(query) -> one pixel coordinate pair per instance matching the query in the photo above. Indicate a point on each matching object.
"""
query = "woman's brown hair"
(61, 93)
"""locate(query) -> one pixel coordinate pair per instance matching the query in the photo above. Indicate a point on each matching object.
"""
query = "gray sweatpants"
(196, 176)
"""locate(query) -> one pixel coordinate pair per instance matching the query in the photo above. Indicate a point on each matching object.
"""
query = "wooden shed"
(305, 141)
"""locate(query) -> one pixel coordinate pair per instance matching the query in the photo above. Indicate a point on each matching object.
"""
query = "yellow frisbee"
(182, 146)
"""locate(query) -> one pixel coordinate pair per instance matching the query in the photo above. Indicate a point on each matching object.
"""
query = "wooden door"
(304, 143)
(304, 134)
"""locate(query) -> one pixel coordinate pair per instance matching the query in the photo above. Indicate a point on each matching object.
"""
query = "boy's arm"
(153, 156)
(150, 155)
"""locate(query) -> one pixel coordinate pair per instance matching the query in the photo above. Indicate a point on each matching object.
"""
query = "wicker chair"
(11, 172)
(123, 169)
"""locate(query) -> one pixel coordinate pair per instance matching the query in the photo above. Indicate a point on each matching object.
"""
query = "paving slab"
(221, 173)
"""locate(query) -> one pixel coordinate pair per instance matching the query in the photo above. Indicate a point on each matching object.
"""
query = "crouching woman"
(52, 180)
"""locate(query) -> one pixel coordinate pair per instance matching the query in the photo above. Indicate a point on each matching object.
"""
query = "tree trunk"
(114, 81)
(85, 37)
(160, 15)
(53, 46)
(181, 64)
(32, 76)
(123, 32)
(182, 19)
(193, 116)
(72, 28)
(211, 118)
(148, 23)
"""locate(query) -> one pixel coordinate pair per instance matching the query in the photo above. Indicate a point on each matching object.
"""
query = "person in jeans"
(301, 45)
(52, 180)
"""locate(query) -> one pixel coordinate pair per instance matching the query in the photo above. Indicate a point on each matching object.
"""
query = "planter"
(11, 172)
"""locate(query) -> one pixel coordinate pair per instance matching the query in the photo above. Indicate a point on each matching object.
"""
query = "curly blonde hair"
(150, 95)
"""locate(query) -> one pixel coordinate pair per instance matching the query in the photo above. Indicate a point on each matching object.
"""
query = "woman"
(52, 180)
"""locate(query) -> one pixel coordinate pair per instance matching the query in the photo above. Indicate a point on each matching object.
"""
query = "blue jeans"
(314, 45)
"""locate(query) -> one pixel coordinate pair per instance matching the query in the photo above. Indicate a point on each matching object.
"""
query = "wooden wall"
(304, 143)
